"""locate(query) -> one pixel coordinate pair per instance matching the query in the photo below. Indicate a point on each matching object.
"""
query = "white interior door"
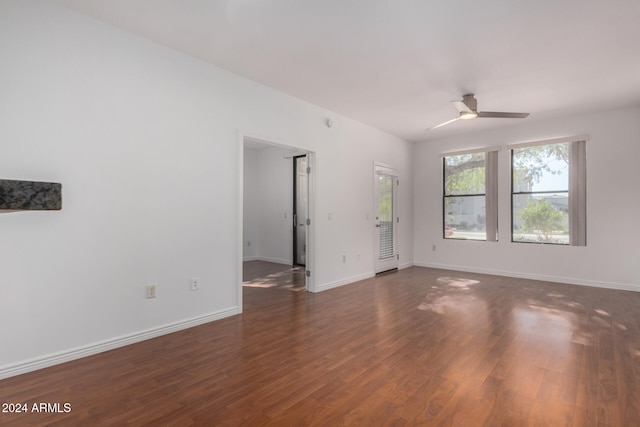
(386, 218)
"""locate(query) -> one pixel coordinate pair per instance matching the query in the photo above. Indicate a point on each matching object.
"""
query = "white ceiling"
(397, 64)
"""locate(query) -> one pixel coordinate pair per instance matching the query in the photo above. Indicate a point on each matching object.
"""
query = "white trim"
(555, 279)
(311, 229)
(548, 141)
(359, 278)
(273, 142)
(240, 225)
(471, 151)
(383, 169)
(343, 282)
(110, 344)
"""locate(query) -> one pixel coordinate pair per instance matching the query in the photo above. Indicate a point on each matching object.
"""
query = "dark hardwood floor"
(419, 347)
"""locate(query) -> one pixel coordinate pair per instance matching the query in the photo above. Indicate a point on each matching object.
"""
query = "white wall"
(268, 212)
(145, 143)
(345, 190)
(610, 258)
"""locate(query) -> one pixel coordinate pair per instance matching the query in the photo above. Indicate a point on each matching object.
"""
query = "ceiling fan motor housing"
(470, 101)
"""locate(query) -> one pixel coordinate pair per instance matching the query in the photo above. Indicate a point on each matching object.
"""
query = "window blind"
(388, 194)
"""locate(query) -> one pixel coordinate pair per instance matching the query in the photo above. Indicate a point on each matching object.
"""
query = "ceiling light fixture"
(468, 115)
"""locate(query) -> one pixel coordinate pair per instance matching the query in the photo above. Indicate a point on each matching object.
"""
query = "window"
(470, 195)
(548, 183)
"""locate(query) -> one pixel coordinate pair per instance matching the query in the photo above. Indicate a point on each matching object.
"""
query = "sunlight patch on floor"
(457, 282)
(291, 279)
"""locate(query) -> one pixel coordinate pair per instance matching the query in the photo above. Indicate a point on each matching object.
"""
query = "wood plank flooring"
(419, 347)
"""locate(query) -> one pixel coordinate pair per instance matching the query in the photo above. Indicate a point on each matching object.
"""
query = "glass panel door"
(386, 215)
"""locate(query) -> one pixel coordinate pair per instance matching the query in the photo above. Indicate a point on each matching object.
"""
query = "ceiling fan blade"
(443, 124)
(461, 107)
(501, 115)
(468, 109)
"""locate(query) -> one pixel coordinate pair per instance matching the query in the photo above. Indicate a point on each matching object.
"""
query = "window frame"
(490, 191)
(576, 204)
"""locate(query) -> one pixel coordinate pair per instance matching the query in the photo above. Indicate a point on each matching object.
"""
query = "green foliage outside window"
(542, 218)
(464, 174)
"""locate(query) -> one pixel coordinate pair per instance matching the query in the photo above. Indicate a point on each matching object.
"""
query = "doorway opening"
(276, 234)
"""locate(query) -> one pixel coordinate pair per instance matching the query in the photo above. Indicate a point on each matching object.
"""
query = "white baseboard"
(343, 282)
(567, 280)
(353, 279)
(99, 347)
(266, 259)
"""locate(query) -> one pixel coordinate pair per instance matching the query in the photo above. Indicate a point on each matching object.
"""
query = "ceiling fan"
(468, 109)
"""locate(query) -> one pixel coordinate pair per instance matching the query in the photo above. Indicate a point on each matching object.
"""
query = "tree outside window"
(464, 196)
(540, 194)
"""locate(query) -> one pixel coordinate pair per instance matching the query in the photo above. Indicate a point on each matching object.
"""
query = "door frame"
(378, 266)
(310, 283)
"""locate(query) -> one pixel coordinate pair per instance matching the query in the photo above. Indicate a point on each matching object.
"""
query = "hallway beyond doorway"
(263, 274)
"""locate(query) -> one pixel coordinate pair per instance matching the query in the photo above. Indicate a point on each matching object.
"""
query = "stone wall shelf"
(30, 195)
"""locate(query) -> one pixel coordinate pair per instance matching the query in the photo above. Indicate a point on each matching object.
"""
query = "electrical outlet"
(195, 283)
(344, 258)
(248, 242)
(151, 291)
(433, 248)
